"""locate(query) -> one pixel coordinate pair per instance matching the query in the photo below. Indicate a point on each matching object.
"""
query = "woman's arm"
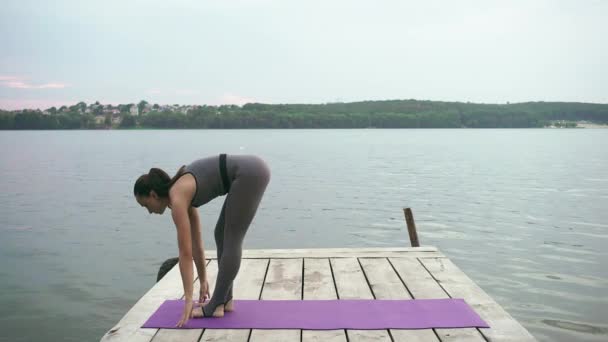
(198, 251)
(179, 212)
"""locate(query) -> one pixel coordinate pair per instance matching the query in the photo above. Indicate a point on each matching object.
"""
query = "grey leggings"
(239, 208)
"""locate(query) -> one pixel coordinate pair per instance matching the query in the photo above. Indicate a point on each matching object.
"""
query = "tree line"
(366, 114)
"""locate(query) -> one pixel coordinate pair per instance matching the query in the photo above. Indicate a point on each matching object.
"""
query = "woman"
(244, 179)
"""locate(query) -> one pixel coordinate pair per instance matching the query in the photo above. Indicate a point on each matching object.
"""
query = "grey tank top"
(206, 172)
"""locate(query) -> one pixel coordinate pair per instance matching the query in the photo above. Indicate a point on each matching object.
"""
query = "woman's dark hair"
(157, 180)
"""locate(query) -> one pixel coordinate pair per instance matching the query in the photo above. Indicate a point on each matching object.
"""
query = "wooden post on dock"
(411, 227)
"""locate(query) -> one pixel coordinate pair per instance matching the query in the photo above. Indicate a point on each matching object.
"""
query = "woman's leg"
(241, 204)
(219, 243)
(218, 233)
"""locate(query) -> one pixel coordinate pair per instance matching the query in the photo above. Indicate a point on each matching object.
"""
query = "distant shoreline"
(368, 114)
(590, 125)
(580, 124)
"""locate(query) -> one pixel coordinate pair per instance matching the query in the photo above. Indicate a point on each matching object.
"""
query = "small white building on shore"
(134, 110)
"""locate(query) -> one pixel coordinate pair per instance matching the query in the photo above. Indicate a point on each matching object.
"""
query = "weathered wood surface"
(502, 326)
(422, 285)
(319, 284)
(420, 252)
(342, 273)
(128, 328)
(386, 284)
(283, 281)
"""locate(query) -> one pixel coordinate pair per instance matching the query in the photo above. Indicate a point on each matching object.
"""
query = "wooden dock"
(337, 273)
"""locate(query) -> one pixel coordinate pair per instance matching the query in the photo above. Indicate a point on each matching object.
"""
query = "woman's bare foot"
(229, 306)
(198, 311)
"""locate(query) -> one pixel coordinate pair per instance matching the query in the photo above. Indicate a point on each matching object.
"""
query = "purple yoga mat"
(327, 314)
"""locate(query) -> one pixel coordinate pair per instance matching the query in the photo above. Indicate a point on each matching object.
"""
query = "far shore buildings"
(134, 110)
(147, 109)
(101, 111)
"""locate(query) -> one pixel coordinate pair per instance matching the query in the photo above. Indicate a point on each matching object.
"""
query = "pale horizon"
(313, 52)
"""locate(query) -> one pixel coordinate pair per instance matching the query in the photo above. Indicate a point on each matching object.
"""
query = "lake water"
(523, 212)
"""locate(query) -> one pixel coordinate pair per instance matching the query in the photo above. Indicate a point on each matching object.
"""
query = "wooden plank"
(283, 281)
(429, 252)
(186, 335)
(385, 284)
(348, 250)
(421, 285)
(351, 284)
(456, 283)
(417, 279)
(128, 328)
(319, 284)
(247, 285)
(177, 335)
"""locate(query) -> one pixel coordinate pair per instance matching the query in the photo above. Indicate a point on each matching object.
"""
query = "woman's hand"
(186, 315)
(204, 293)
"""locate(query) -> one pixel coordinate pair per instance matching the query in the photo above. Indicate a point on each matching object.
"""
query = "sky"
(212, 52)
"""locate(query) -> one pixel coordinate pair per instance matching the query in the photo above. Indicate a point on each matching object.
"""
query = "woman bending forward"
(243, 179)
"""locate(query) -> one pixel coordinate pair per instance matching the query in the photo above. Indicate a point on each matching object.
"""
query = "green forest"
(367, 114)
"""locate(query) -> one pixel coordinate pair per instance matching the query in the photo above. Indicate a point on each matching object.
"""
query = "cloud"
(19, 83)
(23, 85)
(8, 78)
